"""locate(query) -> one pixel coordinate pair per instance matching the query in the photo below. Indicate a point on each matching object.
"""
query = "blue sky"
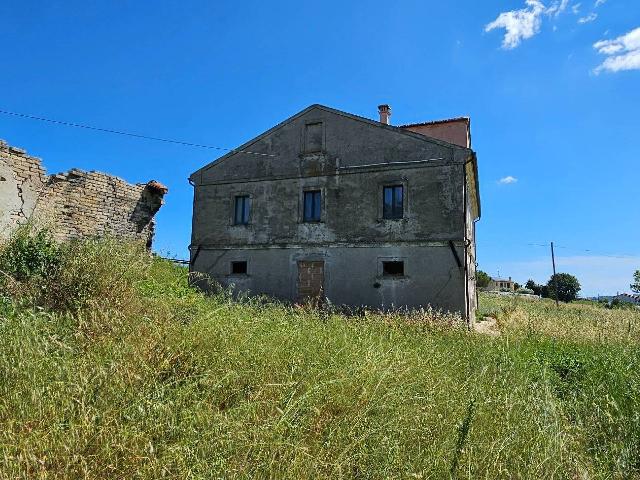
(552, 88)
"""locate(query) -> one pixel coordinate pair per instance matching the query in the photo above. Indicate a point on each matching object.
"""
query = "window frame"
(380, 268)
(312, 190)
(393, 181)
(312, 186)
(234, 201)
(238, 274)
(394, 203)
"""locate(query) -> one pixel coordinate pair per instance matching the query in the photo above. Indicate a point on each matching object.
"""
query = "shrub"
(79, 275)
(617, 304)
(540, 290)
(526, 291)
(96, 273)
(29, 253)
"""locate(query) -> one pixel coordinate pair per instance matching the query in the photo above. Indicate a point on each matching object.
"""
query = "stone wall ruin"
(75, 204)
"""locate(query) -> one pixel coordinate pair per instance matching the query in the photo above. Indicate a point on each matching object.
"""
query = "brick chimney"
(385, 114)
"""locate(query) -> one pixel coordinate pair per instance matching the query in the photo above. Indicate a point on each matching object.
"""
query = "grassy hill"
(111, 366)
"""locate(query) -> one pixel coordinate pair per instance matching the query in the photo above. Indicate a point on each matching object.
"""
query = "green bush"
(97, 273)
(617, 303)
(74, 276)
(525, 291)
(29, 253)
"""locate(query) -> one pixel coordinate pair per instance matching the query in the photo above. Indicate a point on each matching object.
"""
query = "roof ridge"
(397, 128)
(435, 122)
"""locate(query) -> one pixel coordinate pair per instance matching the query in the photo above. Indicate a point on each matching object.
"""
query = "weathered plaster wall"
(74, 204)
(356, 160)
(21, 179)
(351, 208)
(352, 273)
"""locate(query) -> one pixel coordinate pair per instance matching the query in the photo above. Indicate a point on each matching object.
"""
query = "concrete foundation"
(352, 276)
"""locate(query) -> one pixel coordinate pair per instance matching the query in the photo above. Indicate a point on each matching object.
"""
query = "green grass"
(171, 383)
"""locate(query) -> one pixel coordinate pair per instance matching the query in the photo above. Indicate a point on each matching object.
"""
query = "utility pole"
(555, 279)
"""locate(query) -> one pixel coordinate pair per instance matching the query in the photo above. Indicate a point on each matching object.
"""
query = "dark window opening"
(242, 210)
(239, 268)
(393, 269)
(312, 206)
(393, 198)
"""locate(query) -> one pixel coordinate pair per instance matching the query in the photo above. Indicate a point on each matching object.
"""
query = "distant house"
(497, 284)
(330, 205)
(627, 298)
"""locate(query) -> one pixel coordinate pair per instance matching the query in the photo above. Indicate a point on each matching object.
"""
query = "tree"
(568, 287)
(635, 286)
(482, 279)
(540, 290)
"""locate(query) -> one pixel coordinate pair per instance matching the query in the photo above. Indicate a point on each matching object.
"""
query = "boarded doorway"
(310, 281)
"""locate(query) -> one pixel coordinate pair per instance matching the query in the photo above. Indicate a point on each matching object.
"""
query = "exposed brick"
(79, 203)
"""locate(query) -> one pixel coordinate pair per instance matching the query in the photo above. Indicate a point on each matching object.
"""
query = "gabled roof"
(402, 130)
(397, 129)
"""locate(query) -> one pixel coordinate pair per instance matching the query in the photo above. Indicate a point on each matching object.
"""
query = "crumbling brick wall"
(21, 178)
(74, 204)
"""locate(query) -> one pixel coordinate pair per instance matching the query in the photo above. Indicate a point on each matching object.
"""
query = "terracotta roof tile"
(155, 185)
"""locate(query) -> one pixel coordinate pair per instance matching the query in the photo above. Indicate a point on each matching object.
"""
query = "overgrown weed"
(139, 375)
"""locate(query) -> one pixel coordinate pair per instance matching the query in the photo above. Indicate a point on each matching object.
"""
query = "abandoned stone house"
(497, 284)
(333, 205)
(75, 204)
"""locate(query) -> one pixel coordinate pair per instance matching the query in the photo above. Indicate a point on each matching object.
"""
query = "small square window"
(239, 268)
(242, 210)
(393, 269)
(312, 206)
(393, 202)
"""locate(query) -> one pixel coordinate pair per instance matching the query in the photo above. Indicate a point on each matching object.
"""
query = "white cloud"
(524, 23)
(623, 53)
(557, 8)
(576, 8)
(507, 180)
(519, 24)
(600, 2)
(589, 18)
(598, 275)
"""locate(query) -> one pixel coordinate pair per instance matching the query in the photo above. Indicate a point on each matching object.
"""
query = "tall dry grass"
(140, 376)
(579, 321)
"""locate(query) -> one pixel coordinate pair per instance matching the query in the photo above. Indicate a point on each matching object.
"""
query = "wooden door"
(310, 281)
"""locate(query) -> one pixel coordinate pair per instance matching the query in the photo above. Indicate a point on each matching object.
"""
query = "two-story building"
(331, 205)
(502, 284)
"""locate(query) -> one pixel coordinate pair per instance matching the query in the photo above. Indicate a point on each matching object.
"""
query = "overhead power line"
(593, 252)
(130, 134)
